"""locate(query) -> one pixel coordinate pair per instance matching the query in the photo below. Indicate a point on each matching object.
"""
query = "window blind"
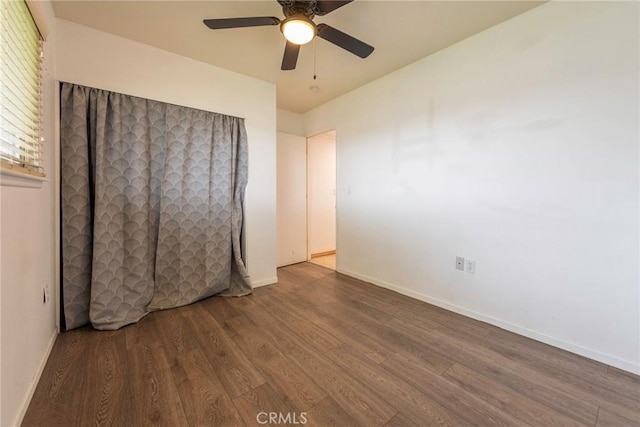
(20, 90)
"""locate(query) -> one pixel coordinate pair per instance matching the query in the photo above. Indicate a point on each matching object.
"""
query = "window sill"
(9, 178)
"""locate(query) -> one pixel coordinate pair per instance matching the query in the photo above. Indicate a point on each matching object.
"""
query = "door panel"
(291, 198)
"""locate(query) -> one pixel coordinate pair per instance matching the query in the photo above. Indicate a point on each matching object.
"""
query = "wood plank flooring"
(328, 261)
(329, 350)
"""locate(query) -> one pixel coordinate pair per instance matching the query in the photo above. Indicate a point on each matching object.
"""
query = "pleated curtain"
(151, 206)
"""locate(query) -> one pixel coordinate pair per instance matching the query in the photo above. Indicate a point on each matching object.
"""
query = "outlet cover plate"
(459, 263)
(470, 266)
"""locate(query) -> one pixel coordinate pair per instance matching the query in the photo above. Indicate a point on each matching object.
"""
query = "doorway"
(321, 199)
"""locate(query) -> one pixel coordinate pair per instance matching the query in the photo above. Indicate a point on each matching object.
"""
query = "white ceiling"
(401, 32)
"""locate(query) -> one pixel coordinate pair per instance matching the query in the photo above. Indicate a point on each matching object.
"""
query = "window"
(20, 90)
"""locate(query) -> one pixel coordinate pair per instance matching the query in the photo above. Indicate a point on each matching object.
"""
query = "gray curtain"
(151, 200)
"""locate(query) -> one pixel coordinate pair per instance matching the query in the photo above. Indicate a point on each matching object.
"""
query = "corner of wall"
(29, 258)
(289, 122)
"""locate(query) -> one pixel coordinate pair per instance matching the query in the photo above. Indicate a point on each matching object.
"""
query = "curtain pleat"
(151, 197)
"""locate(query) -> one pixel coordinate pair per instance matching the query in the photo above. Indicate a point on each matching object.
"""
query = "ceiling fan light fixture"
(298, 29)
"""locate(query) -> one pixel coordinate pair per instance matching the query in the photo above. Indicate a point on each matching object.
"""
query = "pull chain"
(315, 56)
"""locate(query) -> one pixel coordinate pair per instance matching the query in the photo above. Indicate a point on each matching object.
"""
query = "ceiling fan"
(298, 28)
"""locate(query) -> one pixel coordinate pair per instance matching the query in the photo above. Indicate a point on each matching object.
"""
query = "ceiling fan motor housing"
(292, 8)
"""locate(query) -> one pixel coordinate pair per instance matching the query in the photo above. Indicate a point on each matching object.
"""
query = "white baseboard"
(264, 282)
(564, 345)
(36, 379)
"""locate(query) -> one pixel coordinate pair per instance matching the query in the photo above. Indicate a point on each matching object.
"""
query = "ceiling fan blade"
(257, 21)
(344, 41)
(325, 6)
(290, 58)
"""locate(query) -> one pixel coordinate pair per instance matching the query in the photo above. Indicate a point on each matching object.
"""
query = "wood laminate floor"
(328, 261)
(329, 350)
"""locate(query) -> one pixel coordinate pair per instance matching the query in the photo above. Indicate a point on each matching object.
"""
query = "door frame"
(335, 137)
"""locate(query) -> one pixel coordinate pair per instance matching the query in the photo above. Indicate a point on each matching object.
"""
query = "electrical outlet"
(470, 266)
(459, 263)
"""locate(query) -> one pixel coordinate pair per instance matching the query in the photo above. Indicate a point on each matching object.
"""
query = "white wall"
(97, 59)
(27, 224)
(517, 148)
(289, 122)
(321, 161)
(292, 199)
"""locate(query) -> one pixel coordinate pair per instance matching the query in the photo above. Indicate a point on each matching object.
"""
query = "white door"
(291, 204)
